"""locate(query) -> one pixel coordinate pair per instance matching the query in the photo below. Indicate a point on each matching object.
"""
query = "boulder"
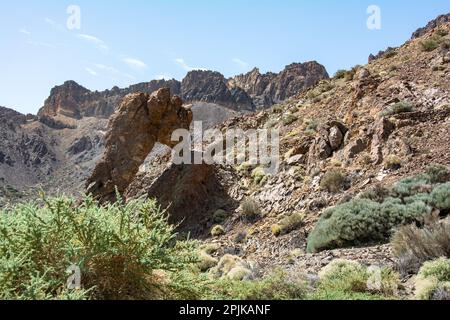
(354, 148)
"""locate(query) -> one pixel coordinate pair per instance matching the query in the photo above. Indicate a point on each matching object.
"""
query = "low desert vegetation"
(397, 108)
(120, 249)
(413, 245)
(433, 280)
(288, 224)
(393, 162)
(364, 220)
(333, 180)
(349, 280)
(251, 210)
(289, 119)
(217, 231)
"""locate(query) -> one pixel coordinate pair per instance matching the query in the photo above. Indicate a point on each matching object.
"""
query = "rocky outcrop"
(439, 21)
(271, 88)
(330, 138)
(140, 122)
(211, 87)
(190, 194)
(381, 131)
(73, 101)
(26, 155)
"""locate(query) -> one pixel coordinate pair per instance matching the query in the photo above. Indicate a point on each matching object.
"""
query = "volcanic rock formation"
(140, 122)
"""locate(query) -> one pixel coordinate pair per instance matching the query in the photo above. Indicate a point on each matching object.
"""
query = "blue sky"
(125, 42)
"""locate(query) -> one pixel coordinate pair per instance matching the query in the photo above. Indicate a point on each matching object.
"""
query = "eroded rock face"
(73, 101)
(271, 88)
(140, 122)
(439, 21)
(382, 129)
(211, 87)
(190, 194)
(329, 139)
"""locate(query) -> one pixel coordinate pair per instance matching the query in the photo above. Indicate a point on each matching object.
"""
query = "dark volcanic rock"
(270, 88)
(81, 145)
(212, 87)
(439, 21)
(74, 101)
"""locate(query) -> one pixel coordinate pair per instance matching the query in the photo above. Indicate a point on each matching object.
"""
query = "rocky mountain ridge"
(72, 101)
(271, 88)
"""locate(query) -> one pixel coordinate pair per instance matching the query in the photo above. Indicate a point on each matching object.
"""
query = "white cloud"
(54, 24)
(135, 63)
(113, 71)
(106, 68)
(41, 44)
(100, 44)
(25, 31)
(91, 72)
(240, 63)
(185, 66)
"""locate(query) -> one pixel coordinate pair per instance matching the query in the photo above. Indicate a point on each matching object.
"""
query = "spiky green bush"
(373, 215)
(117, 247)
(344, 279)
(433, 280)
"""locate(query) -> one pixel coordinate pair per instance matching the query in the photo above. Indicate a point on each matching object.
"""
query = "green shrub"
(433, 280)
(441, 196)
(117, 247)
(340, 74)
(288, 224)
(250, 210)
(410, 186)
(289, 119)
(259, 176)
(390, 53)
(429, 45)
(393, 162)
(275, 286)
(333, 180)
(206, 262)
(374, 214)
(439, 269)
(344, 279)
(311, 125)
(360, 221)
(397, 108)
(412, 245)
(376, 193)
(441, 32)
(438, 173)
(344, 275)
(217, 231)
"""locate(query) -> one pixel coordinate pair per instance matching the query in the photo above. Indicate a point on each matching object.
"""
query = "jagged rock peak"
(212, 87)
(74, 101)
(433, 24)
(270, 88)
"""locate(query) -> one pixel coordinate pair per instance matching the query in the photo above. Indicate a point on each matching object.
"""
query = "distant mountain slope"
(271, 88)
(72, 101)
